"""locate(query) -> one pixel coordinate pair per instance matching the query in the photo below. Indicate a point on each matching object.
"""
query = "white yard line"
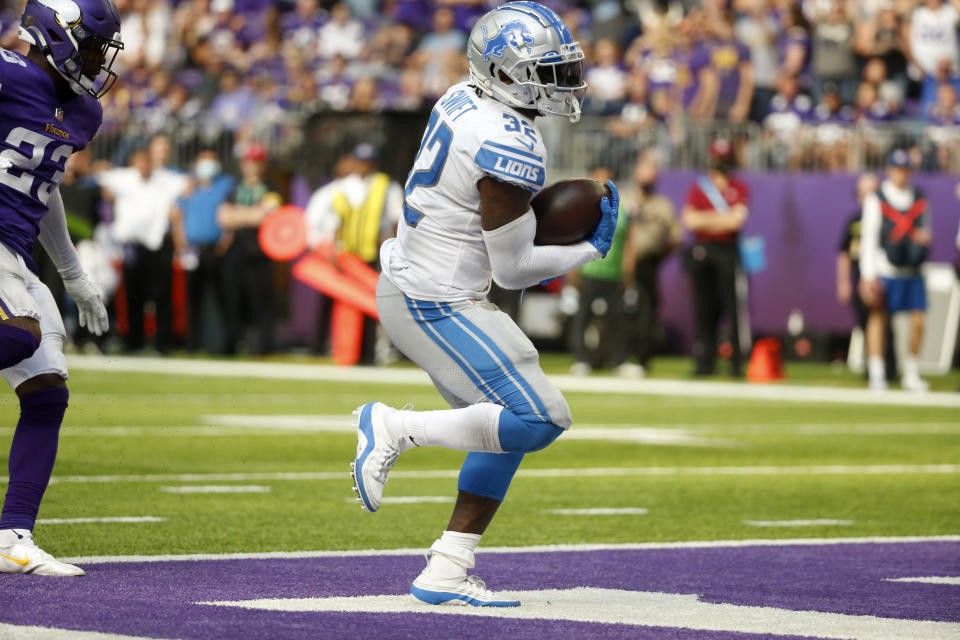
(113, 520)
(704, 435)
(600, 511)
(951, 580)
(634, 546)
(413, 499)
(17, 632)
(652, 434)
(572, 472)
(210, 488)
(798, 523)
(593, 384)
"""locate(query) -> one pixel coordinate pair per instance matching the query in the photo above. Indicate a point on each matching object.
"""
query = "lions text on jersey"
(439, 253)
(37, 135)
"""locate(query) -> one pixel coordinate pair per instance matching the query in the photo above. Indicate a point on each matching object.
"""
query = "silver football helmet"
(523, 55)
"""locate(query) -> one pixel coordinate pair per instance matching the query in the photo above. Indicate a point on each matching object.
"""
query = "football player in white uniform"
(467, 217)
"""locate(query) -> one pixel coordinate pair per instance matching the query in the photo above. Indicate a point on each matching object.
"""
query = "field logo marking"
(638, 608)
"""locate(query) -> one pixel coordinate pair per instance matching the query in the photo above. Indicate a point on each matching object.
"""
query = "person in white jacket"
(895, 240)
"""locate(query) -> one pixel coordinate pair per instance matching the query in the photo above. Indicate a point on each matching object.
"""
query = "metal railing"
(310, 144)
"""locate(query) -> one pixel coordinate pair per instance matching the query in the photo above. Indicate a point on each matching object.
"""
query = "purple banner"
(801, 218)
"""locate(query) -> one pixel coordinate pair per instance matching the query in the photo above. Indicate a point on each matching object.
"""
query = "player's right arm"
(509, 226)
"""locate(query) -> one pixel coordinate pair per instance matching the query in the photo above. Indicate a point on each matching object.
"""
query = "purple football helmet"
(79, 38)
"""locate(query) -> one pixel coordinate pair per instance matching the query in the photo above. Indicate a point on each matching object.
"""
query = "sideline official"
(716, 209)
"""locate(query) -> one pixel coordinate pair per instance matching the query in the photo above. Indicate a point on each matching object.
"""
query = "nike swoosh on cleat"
(22, 563)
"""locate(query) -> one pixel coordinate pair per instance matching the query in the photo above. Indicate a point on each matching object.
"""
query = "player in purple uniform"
(48, 110)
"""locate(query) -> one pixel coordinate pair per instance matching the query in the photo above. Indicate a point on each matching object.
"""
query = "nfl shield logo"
(58, 114)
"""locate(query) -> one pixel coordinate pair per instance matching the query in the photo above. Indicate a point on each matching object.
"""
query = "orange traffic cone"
(766, 361)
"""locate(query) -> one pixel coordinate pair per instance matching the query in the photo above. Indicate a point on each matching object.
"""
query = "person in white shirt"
(933, 37)
(143, 196)
(894, 242)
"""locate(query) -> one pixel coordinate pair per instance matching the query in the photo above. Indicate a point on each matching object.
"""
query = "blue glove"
(602, 236)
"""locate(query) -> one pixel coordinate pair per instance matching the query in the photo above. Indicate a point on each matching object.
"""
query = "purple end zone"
(156, 599)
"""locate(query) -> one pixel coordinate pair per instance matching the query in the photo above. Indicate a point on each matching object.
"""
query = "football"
(568, 211)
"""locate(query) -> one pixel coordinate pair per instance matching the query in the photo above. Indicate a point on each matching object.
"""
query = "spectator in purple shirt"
(301, 27)
(730, 61)
(793, 45)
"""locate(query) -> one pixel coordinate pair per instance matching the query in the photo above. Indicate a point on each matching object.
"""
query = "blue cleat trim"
(365, 424)
(439, 597)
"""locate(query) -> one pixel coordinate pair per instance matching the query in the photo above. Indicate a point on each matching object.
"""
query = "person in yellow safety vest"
(357, 213)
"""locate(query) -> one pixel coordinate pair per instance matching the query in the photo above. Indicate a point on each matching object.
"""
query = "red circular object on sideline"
(283, 233)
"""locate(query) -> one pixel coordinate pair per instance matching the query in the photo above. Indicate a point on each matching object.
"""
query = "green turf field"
(693, 463)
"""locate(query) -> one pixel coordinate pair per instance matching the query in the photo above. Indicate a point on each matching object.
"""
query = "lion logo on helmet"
(513, 34)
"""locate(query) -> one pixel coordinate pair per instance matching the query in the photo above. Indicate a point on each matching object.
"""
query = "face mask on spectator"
(207, 169)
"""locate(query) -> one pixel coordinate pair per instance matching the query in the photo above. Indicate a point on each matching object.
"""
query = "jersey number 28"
(17, 163)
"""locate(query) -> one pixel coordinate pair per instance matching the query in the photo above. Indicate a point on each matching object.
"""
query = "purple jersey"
(37, 135)
(690, 62)
(726, 58)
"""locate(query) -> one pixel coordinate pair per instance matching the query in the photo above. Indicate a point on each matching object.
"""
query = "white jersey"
(439, 253)
(933, 38)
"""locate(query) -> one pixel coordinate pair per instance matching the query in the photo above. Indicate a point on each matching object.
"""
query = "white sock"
(876, 368)
(452, 555)
(911, 368)
(473, 428)
(10, 537)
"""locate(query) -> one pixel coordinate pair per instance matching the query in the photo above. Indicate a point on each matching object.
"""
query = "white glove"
(93, 314)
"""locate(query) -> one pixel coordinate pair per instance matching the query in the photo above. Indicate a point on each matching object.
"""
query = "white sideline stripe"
(595, 472)
(593, 384)
(17, 632)
(929, 580)
(798, 523)
(600, 511)
(637, 608)
(548, 548)
(211, 488)
(120, 519)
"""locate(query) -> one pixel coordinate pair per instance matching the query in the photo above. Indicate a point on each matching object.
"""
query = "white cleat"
(466, 590)
(915, 384)
(20, 554)
(377, 452)
(879, 385)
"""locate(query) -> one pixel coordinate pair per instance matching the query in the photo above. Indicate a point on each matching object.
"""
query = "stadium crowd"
(813, 74)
